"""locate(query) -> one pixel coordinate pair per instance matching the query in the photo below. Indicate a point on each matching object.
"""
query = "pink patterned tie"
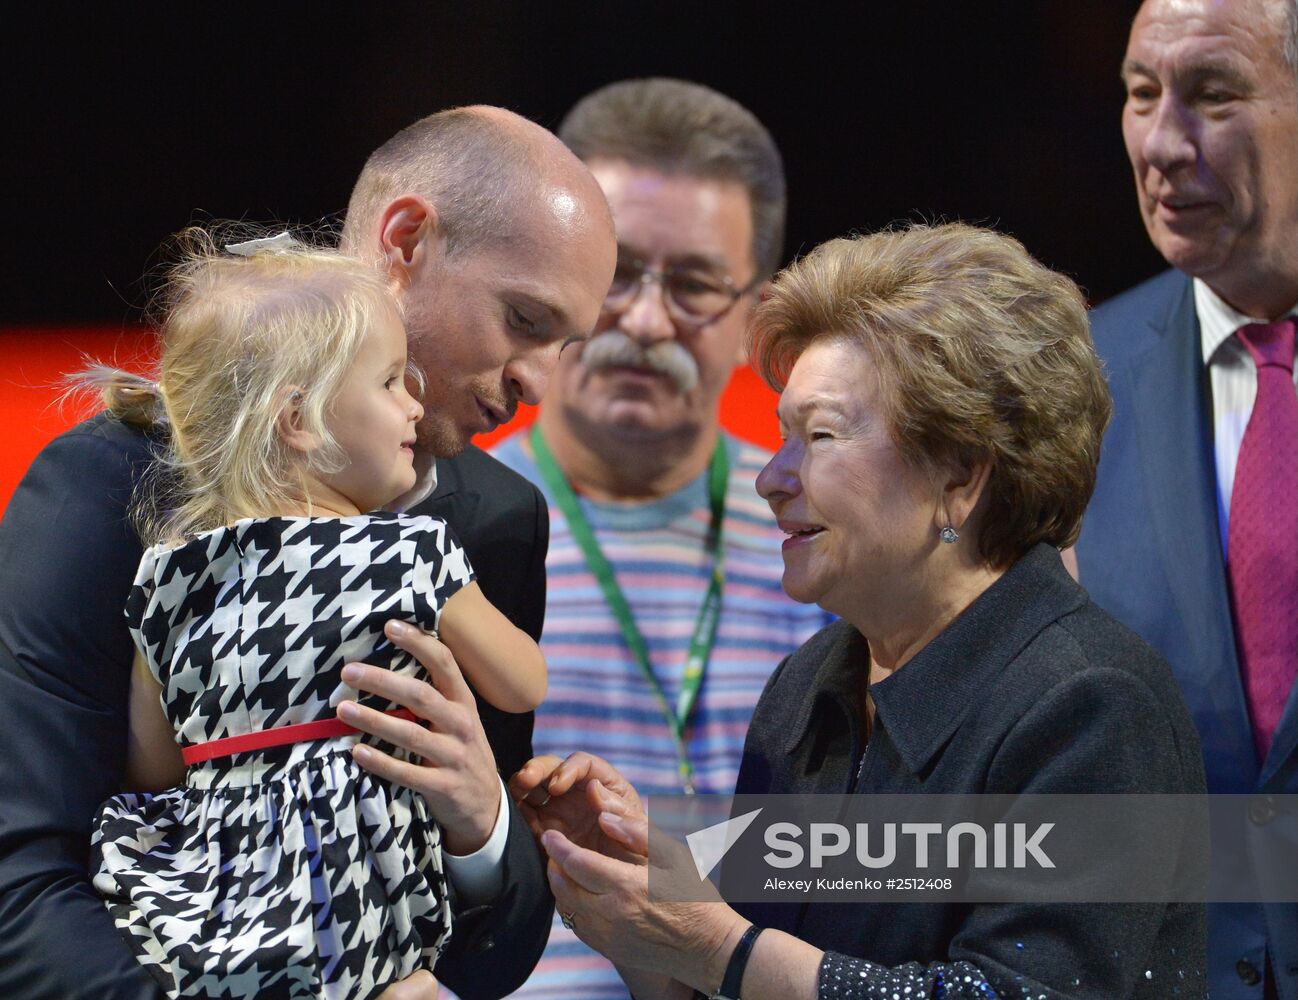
(1262, 539)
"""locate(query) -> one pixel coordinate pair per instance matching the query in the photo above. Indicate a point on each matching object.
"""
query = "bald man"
(1191, 537)
(501, 246)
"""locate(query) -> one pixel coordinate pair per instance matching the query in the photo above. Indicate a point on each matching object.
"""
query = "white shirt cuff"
(479, 877)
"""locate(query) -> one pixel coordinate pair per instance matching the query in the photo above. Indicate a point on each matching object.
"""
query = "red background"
(33, 361)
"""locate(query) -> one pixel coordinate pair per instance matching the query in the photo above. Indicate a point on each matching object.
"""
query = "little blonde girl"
(279, 868)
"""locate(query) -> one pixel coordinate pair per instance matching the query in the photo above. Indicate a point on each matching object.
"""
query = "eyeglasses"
(694, 296)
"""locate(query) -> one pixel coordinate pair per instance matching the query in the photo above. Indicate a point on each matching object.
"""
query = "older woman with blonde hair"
(942, 409)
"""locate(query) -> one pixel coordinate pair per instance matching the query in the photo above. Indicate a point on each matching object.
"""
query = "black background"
(126, 123)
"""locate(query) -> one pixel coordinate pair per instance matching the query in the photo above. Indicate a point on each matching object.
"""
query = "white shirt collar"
(1219, 320)
(425, 483)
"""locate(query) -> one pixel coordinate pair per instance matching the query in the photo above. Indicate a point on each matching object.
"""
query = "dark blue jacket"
(1150, 554)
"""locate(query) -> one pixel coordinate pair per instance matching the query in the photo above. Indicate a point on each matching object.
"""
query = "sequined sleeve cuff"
(842, 977)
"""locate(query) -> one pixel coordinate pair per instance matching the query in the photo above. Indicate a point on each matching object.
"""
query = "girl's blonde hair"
(244, 334)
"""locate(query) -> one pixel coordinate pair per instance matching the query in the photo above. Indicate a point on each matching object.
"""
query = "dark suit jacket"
(1150, 554)
(1032, 690)
(68, 555)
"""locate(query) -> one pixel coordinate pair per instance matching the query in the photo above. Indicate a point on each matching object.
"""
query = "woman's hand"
(419, 986)
(684, 931)
(569, 796)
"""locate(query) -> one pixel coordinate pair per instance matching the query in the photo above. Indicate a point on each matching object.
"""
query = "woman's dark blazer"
(1033, 689)
(68, 556)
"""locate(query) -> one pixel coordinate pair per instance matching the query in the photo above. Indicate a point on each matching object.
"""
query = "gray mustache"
(615, 348)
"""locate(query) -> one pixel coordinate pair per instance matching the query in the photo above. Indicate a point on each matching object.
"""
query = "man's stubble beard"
(439, 433)
(440, 438)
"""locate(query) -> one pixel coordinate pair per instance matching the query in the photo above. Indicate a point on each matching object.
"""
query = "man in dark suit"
(1191, 537)
(501, 246)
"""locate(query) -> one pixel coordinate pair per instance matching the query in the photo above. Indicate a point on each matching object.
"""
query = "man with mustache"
(653, 666)
(1191, 537)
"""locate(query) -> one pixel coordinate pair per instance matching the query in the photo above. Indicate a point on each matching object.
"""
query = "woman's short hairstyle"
(243, 335)
(982, 354)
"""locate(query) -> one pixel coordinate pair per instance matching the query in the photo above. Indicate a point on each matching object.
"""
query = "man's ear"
(289, 423)
(409, 232)
(754, 298)
(964, 488)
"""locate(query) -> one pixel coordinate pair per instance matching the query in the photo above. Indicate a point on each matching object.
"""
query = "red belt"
(303, 732)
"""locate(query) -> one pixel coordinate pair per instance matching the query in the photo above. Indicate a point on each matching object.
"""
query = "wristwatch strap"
(734, 976)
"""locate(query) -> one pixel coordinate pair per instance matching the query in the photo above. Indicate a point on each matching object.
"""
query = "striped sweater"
(598, 700)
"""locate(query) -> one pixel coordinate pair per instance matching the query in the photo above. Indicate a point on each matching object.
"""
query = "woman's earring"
(949, 535)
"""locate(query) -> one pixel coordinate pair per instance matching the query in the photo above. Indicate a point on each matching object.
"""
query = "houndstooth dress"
(288, 872)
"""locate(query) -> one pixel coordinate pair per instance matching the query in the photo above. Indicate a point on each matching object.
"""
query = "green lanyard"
(705, 628)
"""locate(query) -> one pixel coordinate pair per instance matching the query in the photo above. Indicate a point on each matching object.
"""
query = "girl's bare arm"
(500, 660)
(153, 759)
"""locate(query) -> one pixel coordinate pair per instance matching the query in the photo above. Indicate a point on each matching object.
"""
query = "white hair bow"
(249, 248)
